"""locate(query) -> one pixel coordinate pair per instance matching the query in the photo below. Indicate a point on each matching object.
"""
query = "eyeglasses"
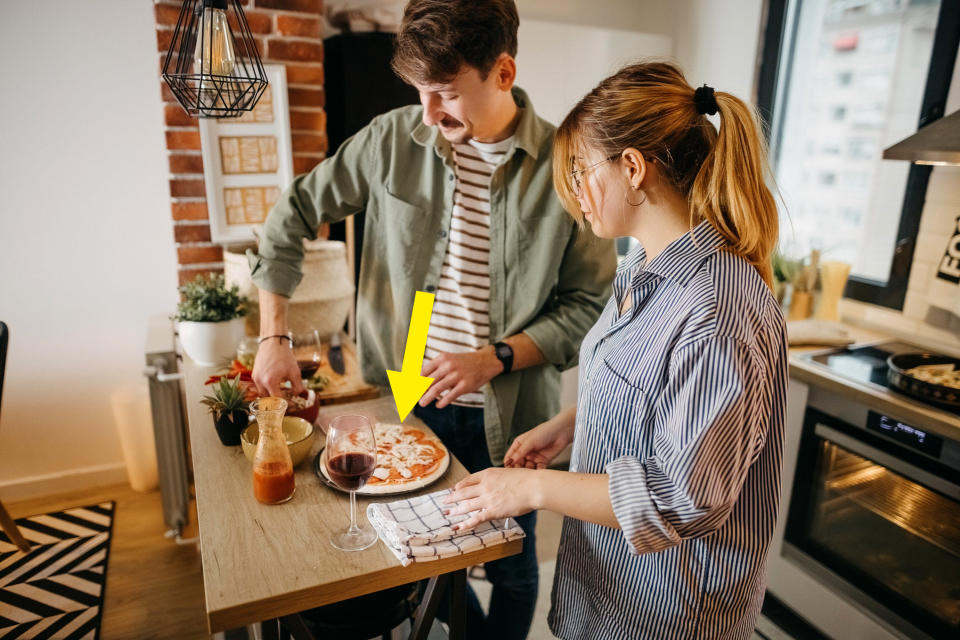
(576, 175)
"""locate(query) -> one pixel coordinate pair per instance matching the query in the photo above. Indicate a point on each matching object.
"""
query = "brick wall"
(287, 32)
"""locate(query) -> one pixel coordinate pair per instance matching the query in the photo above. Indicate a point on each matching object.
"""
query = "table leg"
(10, 528)
(428, 606)
(296, 626)
(270, 629)
(458, 605)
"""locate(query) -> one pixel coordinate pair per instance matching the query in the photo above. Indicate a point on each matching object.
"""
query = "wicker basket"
(321, 301)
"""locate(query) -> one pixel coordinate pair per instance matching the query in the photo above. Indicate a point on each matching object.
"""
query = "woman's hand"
(496, 493)
(536, 448)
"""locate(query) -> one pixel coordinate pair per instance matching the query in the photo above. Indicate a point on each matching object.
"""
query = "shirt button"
(430, 288)
(442, 234)
(450, 177)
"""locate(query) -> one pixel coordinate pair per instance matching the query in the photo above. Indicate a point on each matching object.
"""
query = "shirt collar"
(682, 258)
(628, 269)
(529, 135)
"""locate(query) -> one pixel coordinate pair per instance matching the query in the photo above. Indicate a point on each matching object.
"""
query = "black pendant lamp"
(214, 72)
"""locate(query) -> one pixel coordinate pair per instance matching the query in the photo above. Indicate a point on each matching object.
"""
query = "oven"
(868, 543)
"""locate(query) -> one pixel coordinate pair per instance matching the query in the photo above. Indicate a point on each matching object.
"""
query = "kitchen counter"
(803, 369)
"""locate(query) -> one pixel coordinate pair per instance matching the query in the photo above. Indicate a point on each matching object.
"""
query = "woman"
(675, 473)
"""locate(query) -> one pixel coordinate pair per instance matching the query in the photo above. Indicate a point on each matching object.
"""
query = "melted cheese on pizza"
(404, 453)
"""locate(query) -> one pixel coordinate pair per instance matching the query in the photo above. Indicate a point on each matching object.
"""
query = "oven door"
(880, 523)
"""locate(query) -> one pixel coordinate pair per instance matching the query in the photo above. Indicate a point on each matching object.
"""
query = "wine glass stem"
(353, 512)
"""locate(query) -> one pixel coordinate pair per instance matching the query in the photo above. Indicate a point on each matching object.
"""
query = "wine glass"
(351, 458)
(306, 349)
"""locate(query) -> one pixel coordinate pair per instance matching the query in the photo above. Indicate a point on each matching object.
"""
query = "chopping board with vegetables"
(332, 387)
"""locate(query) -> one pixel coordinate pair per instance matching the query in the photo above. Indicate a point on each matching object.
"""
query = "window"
(861, 148)
(899, 57)
(831, 149)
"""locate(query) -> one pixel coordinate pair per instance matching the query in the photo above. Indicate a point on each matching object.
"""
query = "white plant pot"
(210, 343)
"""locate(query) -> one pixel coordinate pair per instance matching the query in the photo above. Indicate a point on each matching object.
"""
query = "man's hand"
(496, 493)
(275, 365)
(459, 373)
(537, 447)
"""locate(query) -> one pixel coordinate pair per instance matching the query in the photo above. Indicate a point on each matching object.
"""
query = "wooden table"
(268, 561)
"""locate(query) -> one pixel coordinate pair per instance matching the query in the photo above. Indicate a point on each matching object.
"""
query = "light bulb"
(214, 53)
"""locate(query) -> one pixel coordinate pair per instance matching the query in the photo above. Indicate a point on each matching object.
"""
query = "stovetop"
(869, 364)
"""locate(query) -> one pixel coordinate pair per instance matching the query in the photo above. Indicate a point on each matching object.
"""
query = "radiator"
(169, 423)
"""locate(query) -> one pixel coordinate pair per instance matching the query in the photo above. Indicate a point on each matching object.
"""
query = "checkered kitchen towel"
(417, 531)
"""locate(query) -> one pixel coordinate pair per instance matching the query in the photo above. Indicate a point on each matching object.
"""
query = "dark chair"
(9, 526)
(364, 617)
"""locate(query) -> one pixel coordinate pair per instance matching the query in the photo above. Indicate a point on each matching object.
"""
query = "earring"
(635, 204)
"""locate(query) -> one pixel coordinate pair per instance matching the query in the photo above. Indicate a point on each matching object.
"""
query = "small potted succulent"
(229, 408)
(210, 319)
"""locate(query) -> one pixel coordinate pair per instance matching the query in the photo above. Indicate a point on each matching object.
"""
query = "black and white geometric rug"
(56, 589)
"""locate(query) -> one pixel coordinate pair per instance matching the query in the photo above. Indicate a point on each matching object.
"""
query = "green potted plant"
(784, 271)
(229, 408)
(210, 319)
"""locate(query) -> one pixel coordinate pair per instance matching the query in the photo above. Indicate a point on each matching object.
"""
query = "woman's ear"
(635, 166)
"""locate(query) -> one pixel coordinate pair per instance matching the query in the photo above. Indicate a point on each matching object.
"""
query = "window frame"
(776, 56)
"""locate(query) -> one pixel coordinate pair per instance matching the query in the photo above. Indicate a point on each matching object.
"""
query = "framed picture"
(247, 162)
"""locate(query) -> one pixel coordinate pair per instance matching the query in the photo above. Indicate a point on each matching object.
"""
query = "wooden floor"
(154, 586)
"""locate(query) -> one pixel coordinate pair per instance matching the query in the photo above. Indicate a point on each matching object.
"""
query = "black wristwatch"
(504, 353)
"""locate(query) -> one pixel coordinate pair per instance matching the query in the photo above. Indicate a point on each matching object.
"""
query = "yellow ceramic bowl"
(299, 435)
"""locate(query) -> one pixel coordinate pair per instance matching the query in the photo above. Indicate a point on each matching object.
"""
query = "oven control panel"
(905, 434)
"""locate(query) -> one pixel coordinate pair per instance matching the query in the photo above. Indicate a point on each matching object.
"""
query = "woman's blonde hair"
(723, 174)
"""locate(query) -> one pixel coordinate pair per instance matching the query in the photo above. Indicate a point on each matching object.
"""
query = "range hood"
(937, 143)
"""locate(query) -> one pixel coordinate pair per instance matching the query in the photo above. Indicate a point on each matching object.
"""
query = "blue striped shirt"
(681, 402)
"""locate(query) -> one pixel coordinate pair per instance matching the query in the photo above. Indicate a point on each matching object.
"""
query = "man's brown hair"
(438, 37)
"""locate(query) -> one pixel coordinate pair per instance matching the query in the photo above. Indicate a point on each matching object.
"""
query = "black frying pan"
(927, 391)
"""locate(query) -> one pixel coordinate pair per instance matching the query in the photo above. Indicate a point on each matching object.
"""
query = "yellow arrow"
(408, 385)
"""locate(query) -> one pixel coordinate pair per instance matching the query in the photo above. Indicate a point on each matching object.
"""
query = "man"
(459, 201)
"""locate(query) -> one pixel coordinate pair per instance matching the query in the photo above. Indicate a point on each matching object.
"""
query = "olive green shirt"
(548, 278)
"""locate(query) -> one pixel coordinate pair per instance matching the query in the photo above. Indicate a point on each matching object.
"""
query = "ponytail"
(730, 189)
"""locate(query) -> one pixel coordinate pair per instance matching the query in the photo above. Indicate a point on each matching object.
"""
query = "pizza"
(408, 458)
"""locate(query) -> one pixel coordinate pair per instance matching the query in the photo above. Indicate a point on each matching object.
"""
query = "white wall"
(558, 63)
(646, 16)
(717, 42)
(86, 243)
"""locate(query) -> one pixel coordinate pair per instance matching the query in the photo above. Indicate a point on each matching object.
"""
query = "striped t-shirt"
(461, 318)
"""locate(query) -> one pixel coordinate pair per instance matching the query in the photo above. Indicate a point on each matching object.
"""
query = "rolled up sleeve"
(336, 188)
(583, 286)
(708, 431)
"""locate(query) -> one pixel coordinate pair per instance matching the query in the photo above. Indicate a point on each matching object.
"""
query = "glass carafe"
(272, 468)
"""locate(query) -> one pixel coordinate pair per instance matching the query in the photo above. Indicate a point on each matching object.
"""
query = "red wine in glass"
(351, 458)
(350, 471)
(308, 367)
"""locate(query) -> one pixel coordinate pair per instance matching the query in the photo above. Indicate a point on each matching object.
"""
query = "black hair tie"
(705, 100)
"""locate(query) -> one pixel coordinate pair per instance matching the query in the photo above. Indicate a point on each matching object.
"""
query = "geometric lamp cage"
(213, 69)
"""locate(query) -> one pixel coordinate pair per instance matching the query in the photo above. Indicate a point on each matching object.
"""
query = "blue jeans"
(515, 579)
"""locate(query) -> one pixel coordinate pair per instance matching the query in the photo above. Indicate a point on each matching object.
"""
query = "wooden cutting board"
(348, 387)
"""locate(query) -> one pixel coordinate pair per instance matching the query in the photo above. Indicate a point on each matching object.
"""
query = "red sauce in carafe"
(273, 482)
